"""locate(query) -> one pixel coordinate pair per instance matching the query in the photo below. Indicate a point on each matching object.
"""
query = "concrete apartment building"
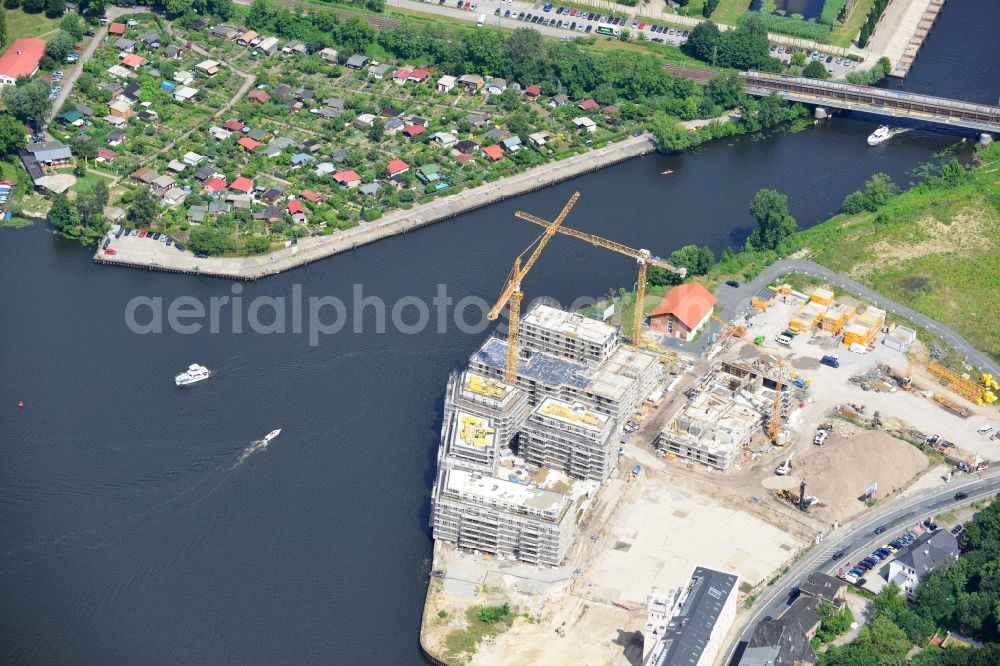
(481, 418)
(702, 615)
(577, 360)
(568, 335)
(485, 513)
(571, 438)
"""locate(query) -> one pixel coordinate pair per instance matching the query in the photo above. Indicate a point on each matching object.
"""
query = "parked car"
(201, 255)
(957, 529)
(180, 248)
(831, 361)
(732, 283)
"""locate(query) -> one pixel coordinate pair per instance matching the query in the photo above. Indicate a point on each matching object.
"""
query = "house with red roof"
(533, 91)
(397, 167)
(105, 155)
(116, 29)
(683, 311)
(414, 131)
(21, 59)
(589, 105)
(311, 196)
(347, 178)
(215, 184)
(258, 96)
(233, 126)
(493, 152)
(401, 75)
(133, 60)
(246, 143)
(242, 184)
(297, 211)
(419, 75)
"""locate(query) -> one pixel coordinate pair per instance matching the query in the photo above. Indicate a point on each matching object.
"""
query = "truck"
(831, 361)
(482, 21)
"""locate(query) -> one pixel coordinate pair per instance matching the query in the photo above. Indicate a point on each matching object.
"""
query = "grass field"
(729, 11)
(845, 34)
(20, 24)
(934, 249)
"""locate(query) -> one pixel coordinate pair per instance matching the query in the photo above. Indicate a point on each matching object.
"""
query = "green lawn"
(727, 12)
(20, 24)
(88, 181)
(845, 34)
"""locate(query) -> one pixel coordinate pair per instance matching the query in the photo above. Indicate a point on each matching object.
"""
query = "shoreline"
(133, 252)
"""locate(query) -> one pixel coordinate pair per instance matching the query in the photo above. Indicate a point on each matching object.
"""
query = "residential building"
(357, 61)
(446, 83)
(330, 55)
(926, 552)
(705, 612)
(511, 144)
(268, 46)
(348, 179)
(568, 335)
(397, 167)
(586, 124)
(571, 438)
(683, 311)
(471, 83)
(21, 59)
(50, 153)
(208, 67)
(497, 85)
(780, 642)
(445, 139)
(558, 100)
(379, 71)
(493, 152)
(185, 94)
(589, 105)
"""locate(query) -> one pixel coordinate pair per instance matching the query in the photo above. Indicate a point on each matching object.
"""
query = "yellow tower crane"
(512, 293)
(642, 257)
(774, 422)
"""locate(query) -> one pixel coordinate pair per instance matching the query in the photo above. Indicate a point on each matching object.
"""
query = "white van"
(482, 21)
(783, 340)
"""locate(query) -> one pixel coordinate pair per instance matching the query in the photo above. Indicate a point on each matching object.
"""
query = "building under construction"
(570, 438)
(575, 385)
(726, 408)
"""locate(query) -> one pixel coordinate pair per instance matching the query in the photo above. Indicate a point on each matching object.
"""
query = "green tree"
(59, 46)
(11, 4)
(3, 29)
(211, 240)
(177, 8)
(221, 8)
(33, 6)
(355, 34)
(878, 190)
(725, 90)
(90, 203)
(854, 203)
(55, 8)
(774, 222)
(143, 209)
(697, 260)
(799, 58)
(72, 25)
(63, 214)
(709, 7)
(815, 70)
(12, 136)
(257, 244)
(493, 614)
(671, 136)
(703, 41)
(28, 100)
(376, 132)
(85, 150)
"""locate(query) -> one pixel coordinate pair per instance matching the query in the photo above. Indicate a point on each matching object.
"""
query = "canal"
(129, 533)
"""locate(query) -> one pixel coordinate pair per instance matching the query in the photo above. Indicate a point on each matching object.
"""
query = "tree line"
(873, 18)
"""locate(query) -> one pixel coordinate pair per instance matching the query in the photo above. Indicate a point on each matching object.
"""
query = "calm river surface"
(128, 534)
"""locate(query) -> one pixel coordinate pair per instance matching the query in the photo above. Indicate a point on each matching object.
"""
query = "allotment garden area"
(233, 137)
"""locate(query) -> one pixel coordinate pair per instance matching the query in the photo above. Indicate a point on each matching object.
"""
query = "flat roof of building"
(618, 373)
(505, 492)
(569, 324)
(688, 632)
(576, 415)
(474, 431)
(549, 370)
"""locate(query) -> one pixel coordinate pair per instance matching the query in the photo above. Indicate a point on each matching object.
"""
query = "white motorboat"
(271, 435)
(881, 135)
(195, 373)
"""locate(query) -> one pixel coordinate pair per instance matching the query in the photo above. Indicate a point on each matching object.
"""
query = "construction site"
(577, 472)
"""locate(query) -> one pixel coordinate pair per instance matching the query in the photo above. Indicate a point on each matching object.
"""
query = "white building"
(570, 438)
(926, 552)
(569, 335)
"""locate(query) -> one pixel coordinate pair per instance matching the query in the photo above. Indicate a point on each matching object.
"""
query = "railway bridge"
(879, 101)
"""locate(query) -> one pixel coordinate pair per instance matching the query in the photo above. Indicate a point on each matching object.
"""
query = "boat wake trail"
(254, 447)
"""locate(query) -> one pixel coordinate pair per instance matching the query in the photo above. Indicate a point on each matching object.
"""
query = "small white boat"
(195, 373)
(881, 135)
(271, 435)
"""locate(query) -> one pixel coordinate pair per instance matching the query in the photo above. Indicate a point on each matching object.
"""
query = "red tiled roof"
(133, 60)
(215, 184)
(396, 166)
(688, 302)
(589, 105)
(419, 74)
(248, 143)
(106, 154)
(21, 59)
(310, 196)
(259, 96)
(533, 90)
(463, 158)
(243, 184)
(295, 206)
(493, 152)
(116, 29)
(402, 73)
(610, 108)
(345, 177)
(414, 130)
(233, 125)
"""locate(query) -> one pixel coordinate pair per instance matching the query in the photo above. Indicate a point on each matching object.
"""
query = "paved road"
(856, 538)
(736, 303)
(67, 83)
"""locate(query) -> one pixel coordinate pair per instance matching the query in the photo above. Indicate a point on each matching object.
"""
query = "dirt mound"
(840, 471)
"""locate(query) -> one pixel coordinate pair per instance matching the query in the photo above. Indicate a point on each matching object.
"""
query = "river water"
(129, 533)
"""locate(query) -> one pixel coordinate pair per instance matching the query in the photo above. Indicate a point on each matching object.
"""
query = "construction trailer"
(865, 327)
(900, 338)
(807, 318)
(822, 297)
(764, 298)
(836, 317)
